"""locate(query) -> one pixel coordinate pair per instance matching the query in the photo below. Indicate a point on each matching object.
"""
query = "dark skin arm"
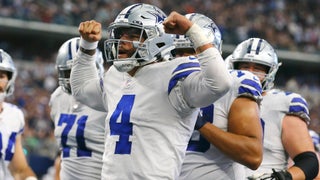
(242, 142)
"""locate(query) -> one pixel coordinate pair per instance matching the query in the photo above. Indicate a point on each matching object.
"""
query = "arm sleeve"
(86, 85)
(204, 87)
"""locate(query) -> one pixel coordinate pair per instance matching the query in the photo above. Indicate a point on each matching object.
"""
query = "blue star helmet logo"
(211, 26)
(159, 16)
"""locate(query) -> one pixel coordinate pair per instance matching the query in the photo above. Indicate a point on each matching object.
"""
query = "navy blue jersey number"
(122, 127)
(69, 120)
(9, 149)
(201, 144)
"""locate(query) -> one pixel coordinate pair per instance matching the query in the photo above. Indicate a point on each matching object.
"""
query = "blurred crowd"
(291, 25)
(286, 24)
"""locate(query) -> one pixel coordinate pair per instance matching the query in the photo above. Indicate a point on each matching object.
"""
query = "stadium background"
(31, 31)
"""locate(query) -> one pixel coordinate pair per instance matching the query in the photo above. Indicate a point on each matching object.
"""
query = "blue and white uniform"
(151, 115)
(275, 105)
(11, 125)
(203, 160)
(79, 131)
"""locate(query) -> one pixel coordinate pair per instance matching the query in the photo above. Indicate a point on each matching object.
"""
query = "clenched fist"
(90, 30)
(176, 23)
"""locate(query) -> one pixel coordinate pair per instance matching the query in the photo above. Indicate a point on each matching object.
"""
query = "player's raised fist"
(90, 30)
(176, 23)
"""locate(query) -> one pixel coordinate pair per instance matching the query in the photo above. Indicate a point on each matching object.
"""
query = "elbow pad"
(308, 163)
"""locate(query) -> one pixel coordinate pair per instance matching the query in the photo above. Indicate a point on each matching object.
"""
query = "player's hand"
(264, 176)
(200, 122)
(90, 31)
(281, 175)
(276, 175)
(176, 23)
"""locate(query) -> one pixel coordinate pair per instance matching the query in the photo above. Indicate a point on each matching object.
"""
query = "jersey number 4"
(121, 126)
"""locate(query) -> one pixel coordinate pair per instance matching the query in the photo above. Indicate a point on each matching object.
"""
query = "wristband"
(88, 45)
(196, 35)
(31, 178)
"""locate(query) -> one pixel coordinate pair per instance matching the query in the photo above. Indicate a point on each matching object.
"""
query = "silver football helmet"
(7, 64)
(258, 51)
(64, 62)
(211, 31)
(146, 21)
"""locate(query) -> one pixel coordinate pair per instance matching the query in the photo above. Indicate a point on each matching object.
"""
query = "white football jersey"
(203, 160)
(145, 128)
(79, 131)
(11, 124)
(149, 122)
(275, 105)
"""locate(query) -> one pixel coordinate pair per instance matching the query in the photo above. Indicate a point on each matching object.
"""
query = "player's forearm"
(84, 79)
(248, 152)
(82, 72)
(22, 171)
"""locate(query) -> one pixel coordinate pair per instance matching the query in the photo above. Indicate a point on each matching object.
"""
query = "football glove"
(281, 175)
(276, 175)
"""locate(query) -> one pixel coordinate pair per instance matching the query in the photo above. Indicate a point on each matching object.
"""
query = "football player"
(13, 163)
(228, 127)
(151, 101)
(285, 117)
(79, 129)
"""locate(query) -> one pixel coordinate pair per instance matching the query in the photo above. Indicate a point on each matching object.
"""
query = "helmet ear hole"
(160, 45)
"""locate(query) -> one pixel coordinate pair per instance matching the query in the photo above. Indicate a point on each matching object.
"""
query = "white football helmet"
(145, 20)
(258, 51)
(7, 64)
(64, 62)
(210, 29)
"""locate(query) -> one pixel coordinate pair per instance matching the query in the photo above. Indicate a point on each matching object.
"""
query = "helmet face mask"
(134, 37)
(7, 65)
(64, 62)
(64, 78)
(142, 23)
(258, 51)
